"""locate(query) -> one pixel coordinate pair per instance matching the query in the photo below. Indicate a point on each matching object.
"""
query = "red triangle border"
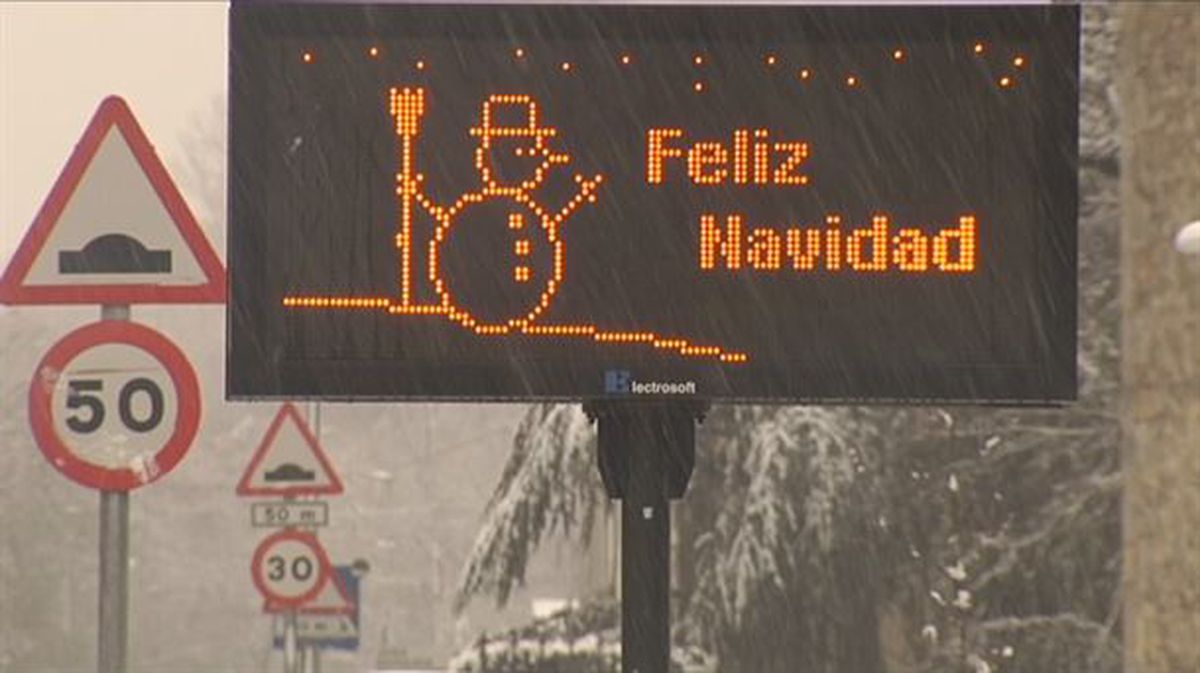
(286, 412)
(113, 111)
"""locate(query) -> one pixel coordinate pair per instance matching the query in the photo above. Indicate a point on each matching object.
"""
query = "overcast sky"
(58, 60)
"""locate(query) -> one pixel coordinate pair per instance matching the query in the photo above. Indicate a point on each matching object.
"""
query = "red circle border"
(187, 392)
(303, 537)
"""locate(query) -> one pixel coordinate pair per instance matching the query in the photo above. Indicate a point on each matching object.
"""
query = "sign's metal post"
(645, 566)
(114, 581)
(113, 625)
(646, 453)
(289, 642)
(301, 660)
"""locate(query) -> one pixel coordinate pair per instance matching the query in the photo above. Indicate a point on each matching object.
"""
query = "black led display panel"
(556, 202)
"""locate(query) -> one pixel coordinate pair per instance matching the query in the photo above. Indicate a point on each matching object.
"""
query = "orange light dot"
(851, 81)
(1019, 61)
(771, 60)
(626, 59)
(898, 55)
(420, 65)
(978, 47)
(698, 59)
(1006, 82)
(805, 73)
(307, 57)
(698, 86)
(566, 66)
(373, 51)
(519, 52)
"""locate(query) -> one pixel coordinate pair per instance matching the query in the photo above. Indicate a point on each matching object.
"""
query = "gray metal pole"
(113, 624)
(114, 581)
(289, 643)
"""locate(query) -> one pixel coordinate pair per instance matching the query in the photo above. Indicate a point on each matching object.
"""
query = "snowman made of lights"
(504, 228)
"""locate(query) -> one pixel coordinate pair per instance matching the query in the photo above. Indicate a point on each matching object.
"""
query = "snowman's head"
(514, 150)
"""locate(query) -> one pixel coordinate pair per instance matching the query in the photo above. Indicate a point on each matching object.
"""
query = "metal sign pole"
(646, 455)
(113, 624)
(114, 581)
(645, 567)
(289, 642)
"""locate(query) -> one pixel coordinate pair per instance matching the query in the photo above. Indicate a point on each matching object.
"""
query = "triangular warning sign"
(114, 229)
(332, 599)
(289, 461)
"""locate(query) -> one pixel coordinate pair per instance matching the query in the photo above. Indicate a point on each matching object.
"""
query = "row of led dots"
(851, 80)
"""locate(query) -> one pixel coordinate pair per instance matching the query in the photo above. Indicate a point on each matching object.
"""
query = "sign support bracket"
(646, 453)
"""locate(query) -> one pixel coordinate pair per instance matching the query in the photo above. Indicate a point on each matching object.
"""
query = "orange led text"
(749, 157)
(732, 244)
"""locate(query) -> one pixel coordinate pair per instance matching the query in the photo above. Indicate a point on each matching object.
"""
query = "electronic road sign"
(758, 203)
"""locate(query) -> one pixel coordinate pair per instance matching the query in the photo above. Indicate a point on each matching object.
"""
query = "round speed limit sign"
(289, 568)
(114, 405)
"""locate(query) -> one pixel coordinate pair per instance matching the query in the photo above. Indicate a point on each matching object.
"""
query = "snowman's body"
(526, 253)
(503, 226)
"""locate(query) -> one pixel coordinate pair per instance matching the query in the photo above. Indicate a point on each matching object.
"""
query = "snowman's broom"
(407, 107)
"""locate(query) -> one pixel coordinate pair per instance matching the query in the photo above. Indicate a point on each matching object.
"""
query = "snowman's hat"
(488, 130)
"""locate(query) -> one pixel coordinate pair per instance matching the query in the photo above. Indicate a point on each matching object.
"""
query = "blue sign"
(328, 631)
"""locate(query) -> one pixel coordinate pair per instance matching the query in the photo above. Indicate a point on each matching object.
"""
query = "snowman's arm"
(586, 194)
(432, 208)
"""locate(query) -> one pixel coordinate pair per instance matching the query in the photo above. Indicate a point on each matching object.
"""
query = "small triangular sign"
(114, 229)
(289, 461)
(332, 599)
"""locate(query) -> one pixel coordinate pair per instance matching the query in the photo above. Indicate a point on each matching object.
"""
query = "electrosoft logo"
(621, 382)
(616, 381)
